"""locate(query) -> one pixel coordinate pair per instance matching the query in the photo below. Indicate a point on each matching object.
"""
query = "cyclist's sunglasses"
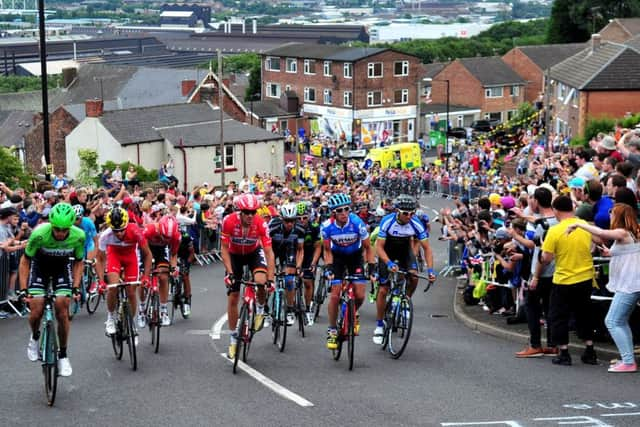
(304, 218)
(342, 209)
(248, 212)
(407, 213)
(289, 220)
(119, 230)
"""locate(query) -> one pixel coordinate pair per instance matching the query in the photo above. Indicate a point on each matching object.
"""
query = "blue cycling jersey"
(390, 228)
(90, 232)
(348, 239)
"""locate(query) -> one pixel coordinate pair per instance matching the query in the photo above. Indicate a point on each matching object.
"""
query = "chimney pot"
(94, 107)
(596, 41)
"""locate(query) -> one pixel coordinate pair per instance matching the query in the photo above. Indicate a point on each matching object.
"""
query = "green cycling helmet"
(62, 215)
(303, 208)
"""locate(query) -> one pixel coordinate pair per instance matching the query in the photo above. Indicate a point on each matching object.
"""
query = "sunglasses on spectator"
(407, 213)
(304, 218)
(248, 212)
(342, 209)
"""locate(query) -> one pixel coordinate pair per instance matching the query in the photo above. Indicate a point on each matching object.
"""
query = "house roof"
(270, 108)
(612, 66)
(442, 109)
(430, 70)
(208, 134)
(634, 42)
(28, 101)
(491, 71)
(322, 51)
(631, 25)
(138, 125)
(548, 55)
(14, 125)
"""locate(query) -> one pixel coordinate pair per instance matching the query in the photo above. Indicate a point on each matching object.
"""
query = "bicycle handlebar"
(115, 285)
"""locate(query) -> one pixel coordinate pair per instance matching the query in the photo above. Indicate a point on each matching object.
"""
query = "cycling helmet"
(168, 226)
(289, 211)
(117, 219)
(79, 210)
(405, 202)
(247, 202)
(380, 212)
(302, 208)
(62, 215)
(338, 200)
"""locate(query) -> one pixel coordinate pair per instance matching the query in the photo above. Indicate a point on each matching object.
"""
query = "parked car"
(460, 133)
(484, 125)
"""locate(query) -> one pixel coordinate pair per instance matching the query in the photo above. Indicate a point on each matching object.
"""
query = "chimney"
(255, 26)
(596, 39)
(187, 87)
(94, 107)
(68, 76)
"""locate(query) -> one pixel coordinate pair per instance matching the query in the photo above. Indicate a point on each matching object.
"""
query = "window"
(327, 68)
(494, 116)
(292, 65)
(273, 90)
(328, 98)
(374, 98)
(511, 114)
(493, 92)
(374, 70)
(574, 97)
(287, 88)
(401, 96)
(401, 68)
(228, 157)
(309, 94)
(309, 66)
(460, 121)
(272, 63)
(348, 70)
(515, 90)
(562, 91)
(347, 97)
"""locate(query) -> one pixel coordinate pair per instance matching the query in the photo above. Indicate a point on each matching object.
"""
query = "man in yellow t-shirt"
(572, 281)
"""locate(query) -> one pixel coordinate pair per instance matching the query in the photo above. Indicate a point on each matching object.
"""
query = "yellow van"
(405, 155)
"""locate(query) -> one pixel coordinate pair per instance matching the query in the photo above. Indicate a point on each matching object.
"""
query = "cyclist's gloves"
(271, 286)
(146, 281)
(102, 286)
(328, 270)
(432, 274)
(229, 279)
(175, 271)
(391, 265)
(75, 291)
(22, 295)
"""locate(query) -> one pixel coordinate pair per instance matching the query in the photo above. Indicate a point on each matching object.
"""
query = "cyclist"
(287, 241)
(163, 238)
(245, 240)
(118, 250)
(312, 249)
(186, 255)
(346, 240)
(47, 256)
(395, 251)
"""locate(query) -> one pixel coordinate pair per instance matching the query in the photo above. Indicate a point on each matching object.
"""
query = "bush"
(144, 175)
(578, 141)
(597, 125)
(630, 122)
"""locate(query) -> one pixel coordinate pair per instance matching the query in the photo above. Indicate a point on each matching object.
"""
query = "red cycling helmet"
(247, 202)
(168, 226)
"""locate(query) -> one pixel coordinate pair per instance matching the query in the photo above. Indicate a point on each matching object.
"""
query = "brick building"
(485, 83)
(620, 30)
(531, 62)
(601, 80)
(362, 94)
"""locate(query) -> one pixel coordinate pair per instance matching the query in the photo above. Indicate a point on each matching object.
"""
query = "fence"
(392, 188)
(208, 246)
(455, 252)
(5, 273)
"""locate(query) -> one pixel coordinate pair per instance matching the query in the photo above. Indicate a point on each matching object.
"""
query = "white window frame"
(371, 98)
(270, 85)
(405, 68)
(287, 88)
(515, 90)
(326, 68)
(291, 65)
(307, 91)
(490, 92)
(561, 92)
(307, 66)
(371, 70)
(268, 64)
(327, 97)
(347, 98)
(229, 158)
(404, 96)
(575, 98)
(348, 70)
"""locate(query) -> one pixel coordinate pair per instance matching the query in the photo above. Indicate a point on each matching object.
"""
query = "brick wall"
(230, 107)
(61, 123)
(528, 70)
(609, 103)
(613, 32)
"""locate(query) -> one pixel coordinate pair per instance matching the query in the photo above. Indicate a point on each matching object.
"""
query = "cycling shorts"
(185, 266)
(160, 255)
(256, 261)
(61, 277)
(285, 256)
(406, 263)
(126, 263)
(348, 265)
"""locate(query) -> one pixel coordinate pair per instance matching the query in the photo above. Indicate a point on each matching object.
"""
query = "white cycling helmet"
(289, 211)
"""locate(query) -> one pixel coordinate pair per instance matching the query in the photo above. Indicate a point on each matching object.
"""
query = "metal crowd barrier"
(208, 250)
(455, 250)
(450, 190)
(5, 272)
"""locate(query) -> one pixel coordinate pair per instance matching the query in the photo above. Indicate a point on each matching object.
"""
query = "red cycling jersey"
(240, 243)
(155, 238)
(121, 253)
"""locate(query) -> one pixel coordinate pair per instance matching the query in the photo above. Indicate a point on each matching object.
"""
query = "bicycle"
(346, 319)
(321, 293)
(76, 305)
(177, 297)
(89, 278)
(153, 308)
(279, 313)
(245, 326)
(125, 330)
(299, 306)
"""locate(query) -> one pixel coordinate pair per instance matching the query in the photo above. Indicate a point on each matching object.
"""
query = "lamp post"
(45, 94)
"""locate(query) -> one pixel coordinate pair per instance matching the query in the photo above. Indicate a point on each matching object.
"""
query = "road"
(449, 376)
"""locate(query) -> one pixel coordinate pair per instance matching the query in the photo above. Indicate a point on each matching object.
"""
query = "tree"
(88, 166)
(11, 170)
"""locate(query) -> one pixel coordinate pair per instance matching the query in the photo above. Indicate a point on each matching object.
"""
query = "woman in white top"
(624, 279)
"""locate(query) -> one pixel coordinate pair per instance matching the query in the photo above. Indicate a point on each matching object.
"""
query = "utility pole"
(45, 94)
(547, 107)
(220, 104)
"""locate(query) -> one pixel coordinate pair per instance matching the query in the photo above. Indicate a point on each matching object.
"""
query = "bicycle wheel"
(400, 331)
(351, 336)
(249, 337)
(154, 321)
(241, 328)
(388, 321)
(174, 295)
(50, 362)
(130, 336)
(74, 308)
(118, 338)
(319, 297)
(300, 311)
(339, 326)
(93, 301)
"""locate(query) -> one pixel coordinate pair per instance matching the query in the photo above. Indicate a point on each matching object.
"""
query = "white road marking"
(198, 332)
(623, 414)
(269, 383)
(108, 373)
(216, 329)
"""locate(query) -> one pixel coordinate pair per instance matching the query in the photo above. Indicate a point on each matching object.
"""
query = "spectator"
(116, 175)
(131, 177)
(106, 180)
(60, 181)
(572, 281)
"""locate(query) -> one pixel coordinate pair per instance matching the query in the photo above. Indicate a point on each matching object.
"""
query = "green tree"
(597, 125)
(524, 114)
(88, 166)
(12, 172)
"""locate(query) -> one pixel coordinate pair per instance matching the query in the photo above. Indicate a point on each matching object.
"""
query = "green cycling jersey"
(42, 245)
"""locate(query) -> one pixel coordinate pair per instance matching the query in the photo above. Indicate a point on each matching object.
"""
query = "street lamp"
(45, 94)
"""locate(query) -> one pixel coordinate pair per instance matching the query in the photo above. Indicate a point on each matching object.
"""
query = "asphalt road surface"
(448, 376)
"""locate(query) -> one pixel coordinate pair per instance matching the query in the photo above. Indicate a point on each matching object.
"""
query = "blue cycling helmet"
(338, 200)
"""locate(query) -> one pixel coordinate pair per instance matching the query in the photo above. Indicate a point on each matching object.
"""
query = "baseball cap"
(502, 233)
(127, 200)
(576, 182)
(49, 194)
